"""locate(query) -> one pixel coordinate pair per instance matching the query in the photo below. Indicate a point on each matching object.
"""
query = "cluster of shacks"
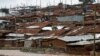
(47, 30)
(83, 44)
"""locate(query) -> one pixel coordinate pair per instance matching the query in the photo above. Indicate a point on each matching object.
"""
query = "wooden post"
(94, 45)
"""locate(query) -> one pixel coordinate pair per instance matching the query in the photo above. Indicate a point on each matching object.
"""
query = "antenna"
(49, 3)
(71, 2)
(17, 7)
(65, 4)
(36, 2)
(60, 1)
(10, 6)
(54, 2)
(1, 12)
(40, 3)
(49, 9)
(98, 1)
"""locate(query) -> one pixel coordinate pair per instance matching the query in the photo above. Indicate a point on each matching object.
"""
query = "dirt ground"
(18, 53)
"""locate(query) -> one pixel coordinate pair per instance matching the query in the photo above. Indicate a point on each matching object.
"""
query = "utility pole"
(94, 45)
(85, 2)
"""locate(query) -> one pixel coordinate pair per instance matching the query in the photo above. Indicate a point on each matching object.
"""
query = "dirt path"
(18, 53)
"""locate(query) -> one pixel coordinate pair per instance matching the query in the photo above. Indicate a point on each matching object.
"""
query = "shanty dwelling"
(33, 29)
(77, 18)
(3, 33)
(3, 24)
(4, 28)
(47, 37)
(36, 41)
(28, 43)
(28, 19)
(14, 40)
(2, 42)
(2, 14)
(45, 42)
(63, 43)
(82, 44)
(55, 30)
(83, 47)
(10, 43)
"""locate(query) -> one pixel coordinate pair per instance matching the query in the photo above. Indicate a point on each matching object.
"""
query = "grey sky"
(13, 3)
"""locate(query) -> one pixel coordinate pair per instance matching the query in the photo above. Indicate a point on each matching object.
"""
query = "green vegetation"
(9, 48)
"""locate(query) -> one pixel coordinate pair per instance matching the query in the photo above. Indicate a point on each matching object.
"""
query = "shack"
(14, 40)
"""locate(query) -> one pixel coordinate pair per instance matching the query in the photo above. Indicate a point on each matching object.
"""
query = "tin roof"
(76, 38)
(15, 35)
(84, 42)
(29, 31)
